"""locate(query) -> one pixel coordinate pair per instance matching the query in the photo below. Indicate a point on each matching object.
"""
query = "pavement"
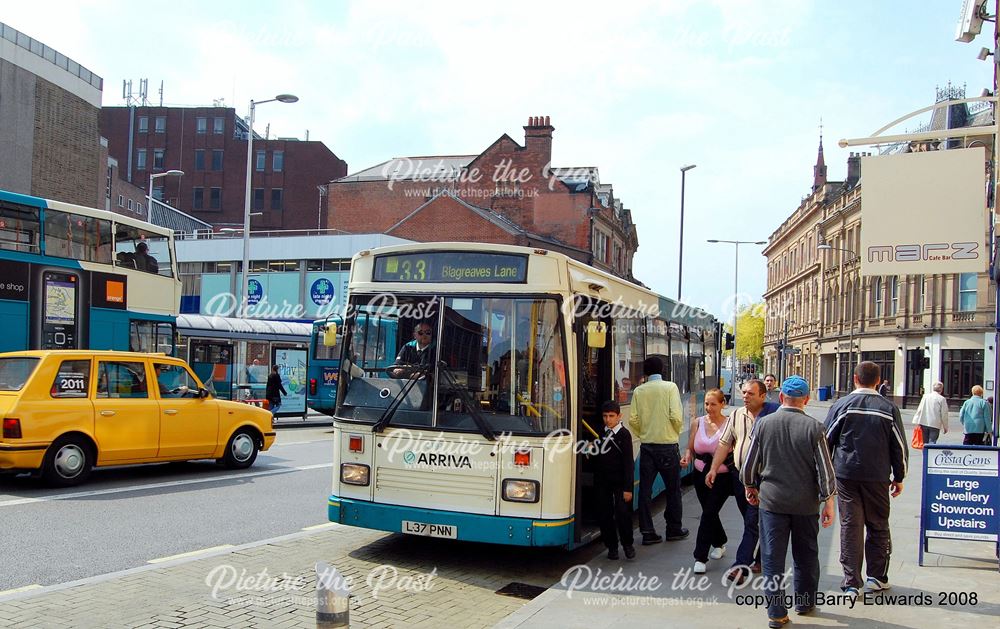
(957, 586)
(402, 581)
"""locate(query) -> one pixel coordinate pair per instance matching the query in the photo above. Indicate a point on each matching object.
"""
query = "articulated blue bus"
(81, 278)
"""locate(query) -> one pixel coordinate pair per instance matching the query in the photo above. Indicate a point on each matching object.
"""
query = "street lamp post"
(680, 255)
(169, 173)
(245, 297)
(856, 298)
(736, 289)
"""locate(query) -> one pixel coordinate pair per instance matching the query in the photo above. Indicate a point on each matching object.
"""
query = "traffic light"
(730, 341)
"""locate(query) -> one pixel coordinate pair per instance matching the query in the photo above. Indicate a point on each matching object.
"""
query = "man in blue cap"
(788, 472)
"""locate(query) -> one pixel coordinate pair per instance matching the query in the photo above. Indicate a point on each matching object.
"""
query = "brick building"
(49, 140)
(210, 145)
(507, 194)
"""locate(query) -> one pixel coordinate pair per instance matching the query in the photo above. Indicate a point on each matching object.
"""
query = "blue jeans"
(930, 434)
(775, 530)
(274, 405)
(749, 551)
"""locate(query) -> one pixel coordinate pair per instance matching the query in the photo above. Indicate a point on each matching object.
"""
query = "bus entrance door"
(594, 387)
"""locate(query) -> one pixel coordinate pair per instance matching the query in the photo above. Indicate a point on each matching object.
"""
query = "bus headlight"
(520, 490)
(354, 473)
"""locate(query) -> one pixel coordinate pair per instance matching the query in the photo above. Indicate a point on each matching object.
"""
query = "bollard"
(333, 604)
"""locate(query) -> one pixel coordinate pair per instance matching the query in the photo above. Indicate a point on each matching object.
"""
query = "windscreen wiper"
(469, 402)
(397, 401)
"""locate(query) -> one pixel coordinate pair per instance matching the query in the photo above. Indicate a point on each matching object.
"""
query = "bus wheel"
(241, 451)
(68, 462)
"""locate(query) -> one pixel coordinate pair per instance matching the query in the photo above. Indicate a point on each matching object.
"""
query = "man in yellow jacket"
(657, 419)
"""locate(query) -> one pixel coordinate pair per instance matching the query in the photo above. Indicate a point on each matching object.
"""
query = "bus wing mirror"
(597, 334)
(330, 335)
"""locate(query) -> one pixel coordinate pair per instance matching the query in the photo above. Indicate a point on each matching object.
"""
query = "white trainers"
(700, 567)
(717, 553)
(874, 585)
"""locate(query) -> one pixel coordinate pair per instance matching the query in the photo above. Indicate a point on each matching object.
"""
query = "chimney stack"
(853, 169)
(538, 139)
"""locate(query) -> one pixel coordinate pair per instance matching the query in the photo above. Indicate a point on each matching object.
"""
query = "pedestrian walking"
(771, 382)
(703, 440)
(932, 414)
(865, 433)
(788, 473)
(977, 418)
(657, 418)
(614, 480)
(885, 389)
(733, 446)
(274, 390)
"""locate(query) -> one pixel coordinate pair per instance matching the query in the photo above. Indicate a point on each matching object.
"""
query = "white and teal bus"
(477, 431)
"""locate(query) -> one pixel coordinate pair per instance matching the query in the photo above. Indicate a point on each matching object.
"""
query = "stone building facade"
(919, 329)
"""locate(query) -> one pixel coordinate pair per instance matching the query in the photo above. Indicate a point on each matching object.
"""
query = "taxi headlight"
(520, 490)
(354, 473)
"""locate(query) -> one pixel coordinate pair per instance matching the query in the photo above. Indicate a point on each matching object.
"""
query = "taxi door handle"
(170, 411)
(107, 413)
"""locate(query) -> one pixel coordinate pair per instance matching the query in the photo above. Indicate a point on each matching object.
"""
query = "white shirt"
(932, 411)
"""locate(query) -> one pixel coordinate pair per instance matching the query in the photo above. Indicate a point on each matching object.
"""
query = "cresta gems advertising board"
(924, 213)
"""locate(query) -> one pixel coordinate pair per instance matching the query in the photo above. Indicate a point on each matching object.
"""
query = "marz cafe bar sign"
(960, 490)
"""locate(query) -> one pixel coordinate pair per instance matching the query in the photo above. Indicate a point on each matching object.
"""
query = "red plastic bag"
(918, 438)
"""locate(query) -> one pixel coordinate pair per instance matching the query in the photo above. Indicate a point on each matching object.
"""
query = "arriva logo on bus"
(443, 460)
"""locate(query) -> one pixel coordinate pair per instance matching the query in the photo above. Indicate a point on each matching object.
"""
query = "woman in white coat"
(932, 414)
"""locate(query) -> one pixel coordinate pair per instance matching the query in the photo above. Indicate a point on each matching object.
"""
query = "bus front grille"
(441, 484)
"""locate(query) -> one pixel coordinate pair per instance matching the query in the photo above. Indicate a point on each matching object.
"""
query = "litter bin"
(824, 393)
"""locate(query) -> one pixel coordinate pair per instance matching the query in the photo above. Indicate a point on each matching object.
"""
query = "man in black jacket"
(614, 479)
(865, 433)
(274, 390)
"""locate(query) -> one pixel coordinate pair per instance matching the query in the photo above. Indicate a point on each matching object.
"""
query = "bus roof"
(122, 219)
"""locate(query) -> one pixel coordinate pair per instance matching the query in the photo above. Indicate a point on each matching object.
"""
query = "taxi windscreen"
(14, 372)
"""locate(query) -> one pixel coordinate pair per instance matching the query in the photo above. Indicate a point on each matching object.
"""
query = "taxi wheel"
(68, 462)
(241, 451)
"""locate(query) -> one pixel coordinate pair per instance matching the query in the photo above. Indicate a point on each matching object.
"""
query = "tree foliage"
(750, 331)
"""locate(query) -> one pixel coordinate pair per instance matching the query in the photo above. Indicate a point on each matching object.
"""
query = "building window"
(894, 295)
(216, 159)
(886, 362)
(967, 292)
(128, 204)
(961, 369)
(121, 200)
(199, 159)
(143, 124)
(215, 199)
(201, 126)
(140, 159)
(877, 295)
(261, 160)
(919, 305)
(278, 161)
(601, 246)
(218, 126)
(161, 124)
(158, 158)
(107, 183)
(158, 193)
(199, 198)
(258, 199)
(277, 197)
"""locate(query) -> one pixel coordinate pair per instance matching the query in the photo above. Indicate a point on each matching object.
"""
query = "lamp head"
(174, 173)
(824, 246)
(760, 242)
(286, 98)
(684, 169)
(713, 240)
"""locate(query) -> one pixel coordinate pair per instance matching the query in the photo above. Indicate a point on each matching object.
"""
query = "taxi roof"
(42, 353)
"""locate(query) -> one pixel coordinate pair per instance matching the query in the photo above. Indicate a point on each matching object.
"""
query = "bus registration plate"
(430, 530)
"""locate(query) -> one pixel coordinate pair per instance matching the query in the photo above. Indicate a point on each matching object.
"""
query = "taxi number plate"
(430, 530)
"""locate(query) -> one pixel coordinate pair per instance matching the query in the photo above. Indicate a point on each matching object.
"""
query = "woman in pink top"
(703, 437)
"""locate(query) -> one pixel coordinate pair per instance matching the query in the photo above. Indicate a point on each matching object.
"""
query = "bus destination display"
(452, 267)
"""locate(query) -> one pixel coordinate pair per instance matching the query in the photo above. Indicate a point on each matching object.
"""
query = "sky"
(638, 89)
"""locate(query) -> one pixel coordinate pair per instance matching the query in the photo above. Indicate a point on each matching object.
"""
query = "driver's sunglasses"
(423, 332)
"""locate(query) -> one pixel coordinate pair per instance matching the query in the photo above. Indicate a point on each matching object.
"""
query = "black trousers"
(710, 530)
(665, 460)
(614, 513)
(974, 439)
(864, 530)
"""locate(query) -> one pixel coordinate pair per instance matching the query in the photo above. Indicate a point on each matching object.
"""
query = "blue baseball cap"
(795, 386)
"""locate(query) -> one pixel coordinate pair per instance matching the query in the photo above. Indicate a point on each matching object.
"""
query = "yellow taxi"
(66, 411)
